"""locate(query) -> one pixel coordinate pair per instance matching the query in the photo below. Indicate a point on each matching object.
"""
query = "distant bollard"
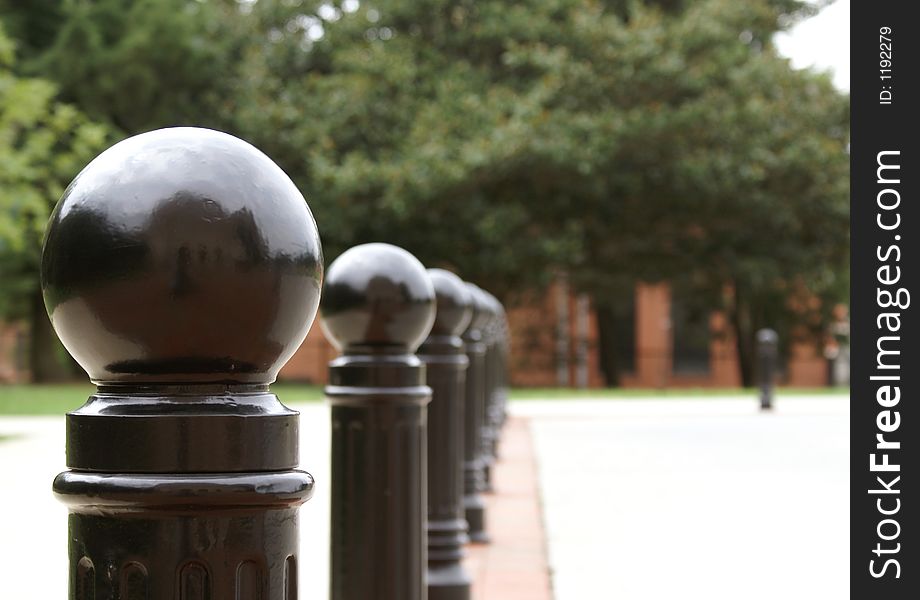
(446, 362)
(473, 459)
(378, 306)
(491, 420)
(767, 354)
(182, 269)
(504, 354)
(498, 395)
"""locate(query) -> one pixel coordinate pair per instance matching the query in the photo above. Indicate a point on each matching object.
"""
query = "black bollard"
(490, 419)
(182, 269)
(499, 391)
(474, 405)
(446, 362)
(767, 352)
(503, 374)
(378, 306)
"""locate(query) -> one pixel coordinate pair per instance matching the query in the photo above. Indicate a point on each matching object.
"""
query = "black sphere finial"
(494, 307)
(182, 255)
(181, 269)
(377, 297)
(481, 309)
(454, 302)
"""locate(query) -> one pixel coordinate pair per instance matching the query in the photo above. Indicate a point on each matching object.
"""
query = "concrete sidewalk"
(649, 499)
(656, 499)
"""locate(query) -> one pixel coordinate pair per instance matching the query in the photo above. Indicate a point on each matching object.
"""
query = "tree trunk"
(606, 334)
(582, 307)
(45, 357)
(740, 318)
(562, 331)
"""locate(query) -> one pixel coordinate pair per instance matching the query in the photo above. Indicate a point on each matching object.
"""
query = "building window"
(690, 337)
(617, 337)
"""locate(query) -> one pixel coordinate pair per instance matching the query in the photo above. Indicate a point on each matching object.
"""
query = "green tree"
(131, 65)
(43, 144)
(33, 24)
(619, 141)
(616, 140)
(135, 64)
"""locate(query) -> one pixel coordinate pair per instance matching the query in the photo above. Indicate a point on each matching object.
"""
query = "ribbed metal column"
(473, 450)
(445, 357)
(378, 306)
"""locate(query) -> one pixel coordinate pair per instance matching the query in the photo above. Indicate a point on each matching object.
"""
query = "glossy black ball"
(182, 255)
(495, 307)
(481, 308)
(377, 297)
(454, 303)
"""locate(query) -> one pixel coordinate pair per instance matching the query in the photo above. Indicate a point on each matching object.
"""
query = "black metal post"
(473, 459)
(182, 269)
(490, 427)
(378, 306)
(499, 391)
(446, 362)
(504, 354)
(767, 353)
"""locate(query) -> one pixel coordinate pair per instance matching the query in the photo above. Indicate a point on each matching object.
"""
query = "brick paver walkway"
(514, 565)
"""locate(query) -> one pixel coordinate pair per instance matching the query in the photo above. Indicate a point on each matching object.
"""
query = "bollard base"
(487, 486)
(475, 509)
(447, 578)
(448, 582)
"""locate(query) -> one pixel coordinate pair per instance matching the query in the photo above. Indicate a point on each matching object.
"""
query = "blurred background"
(645, 184)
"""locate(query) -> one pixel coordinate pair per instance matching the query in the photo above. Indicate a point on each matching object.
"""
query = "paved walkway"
(711, 499)
(514, 565)
(649, 499)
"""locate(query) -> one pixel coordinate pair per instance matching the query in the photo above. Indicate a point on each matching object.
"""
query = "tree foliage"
(616, 140)
(43, 144)
(136, 64)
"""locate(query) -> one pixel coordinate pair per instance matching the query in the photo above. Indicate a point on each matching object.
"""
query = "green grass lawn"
(42, 399)
(59, 399)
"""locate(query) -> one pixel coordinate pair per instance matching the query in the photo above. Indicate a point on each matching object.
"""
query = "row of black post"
(181, 269)
(413, 435)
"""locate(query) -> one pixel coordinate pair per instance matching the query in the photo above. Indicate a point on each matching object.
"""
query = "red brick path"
(514, 565)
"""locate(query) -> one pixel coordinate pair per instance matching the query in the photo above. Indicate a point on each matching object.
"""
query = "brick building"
(555, 343)
(13, 361)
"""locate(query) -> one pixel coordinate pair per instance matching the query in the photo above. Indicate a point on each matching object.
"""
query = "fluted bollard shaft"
(378, 484)
(474, 405)
(445, 358)
(378, 306)
(181, 269)
(504, 365)
(498, 390)
(489, 432)
(490, 427)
